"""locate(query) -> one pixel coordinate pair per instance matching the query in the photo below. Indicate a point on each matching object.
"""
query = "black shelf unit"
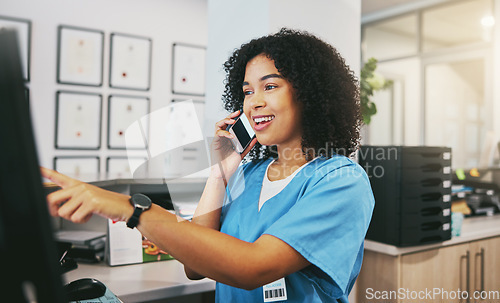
(412, 189)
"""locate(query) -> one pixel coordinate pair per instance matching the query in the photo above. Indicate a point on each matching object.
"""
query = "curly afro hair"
(324, 85)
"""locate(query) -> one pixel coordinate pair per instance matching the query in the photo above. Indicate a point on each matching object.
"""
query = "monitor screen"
(28, 255)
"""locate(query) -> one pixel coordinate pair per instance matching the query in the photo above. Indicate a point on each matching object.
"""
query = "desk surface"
(143, 282)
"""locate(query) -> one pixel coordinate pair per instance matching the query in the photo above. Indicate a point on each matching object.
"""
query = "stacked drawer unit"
(412, 189)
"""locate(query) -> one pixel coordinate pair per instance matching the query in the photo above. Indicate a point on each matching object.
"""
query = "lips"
(263, 121)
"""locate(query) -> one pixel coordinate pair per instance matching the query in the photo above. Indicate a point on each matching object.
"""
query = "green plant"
(370, 82)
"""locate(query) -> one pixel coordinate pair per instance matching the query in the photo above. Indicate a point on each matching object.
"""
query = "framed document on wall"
(76, 166)
(130, 62)
(78, 120)
(123, 167)
(123, 111)
(79, 56)
(188, 69)
(23, 28)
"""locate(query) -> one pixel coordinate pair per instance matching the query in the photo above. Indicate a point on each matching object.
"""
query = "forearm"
(208, 213)
(213, 254)
(209, 208)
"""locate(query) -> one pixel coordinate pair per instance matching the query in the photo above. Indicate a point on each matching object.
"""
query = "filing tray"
(412, 189)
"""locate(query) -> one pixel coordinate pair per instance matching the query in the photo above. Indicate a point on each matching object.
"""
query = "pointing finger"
(57, 178)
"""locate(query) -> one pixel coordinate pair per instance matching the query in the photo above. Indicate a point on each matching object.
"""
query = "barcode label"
(275, 291)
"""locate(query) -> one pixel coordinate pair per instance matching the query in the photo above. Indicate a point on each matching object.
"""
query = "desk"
(468, 263)
(143, 282)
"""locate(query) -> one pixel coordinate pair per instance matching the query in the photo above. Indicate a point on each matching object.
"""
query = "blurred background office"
(441, 56)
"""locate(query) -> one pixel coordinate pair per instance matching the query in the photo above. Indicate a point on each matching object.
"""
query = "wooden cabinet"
(450, 274)
(485, 268)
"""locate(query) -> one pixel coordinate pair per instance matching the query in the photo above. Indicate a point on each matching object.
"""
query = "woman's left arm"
(211, 253)
(219, 256)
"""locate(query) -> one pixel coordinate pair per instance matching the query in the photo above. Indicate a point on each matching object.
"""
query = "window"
(399, 36)
(440, 58)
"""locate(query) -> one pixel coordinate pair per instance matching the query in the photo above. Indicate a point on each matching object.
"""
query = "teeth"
(263, 119)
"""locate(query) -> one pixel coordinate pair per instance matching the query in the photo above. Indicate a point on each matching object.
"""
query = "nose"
(257, 100)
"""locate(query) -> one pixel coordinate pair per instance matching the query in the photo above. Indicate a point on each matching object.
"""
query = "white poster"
(188, 70)
(80, 56)
(130, 62)
(78, 122)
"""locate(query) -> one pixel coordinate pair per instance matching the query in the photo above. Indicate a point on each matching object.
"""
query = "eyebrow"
(264, 78)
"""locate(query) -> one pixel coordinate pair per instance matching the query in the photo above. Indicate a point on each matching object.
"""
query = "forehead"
(260, 63)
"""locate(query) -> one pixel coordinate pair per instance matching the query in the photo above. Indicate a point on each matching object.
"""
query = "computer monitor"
(28, 255)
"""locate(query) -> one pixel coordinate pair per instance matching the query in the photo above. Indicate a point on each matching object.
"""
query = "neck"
(290, 156)
(289, 159)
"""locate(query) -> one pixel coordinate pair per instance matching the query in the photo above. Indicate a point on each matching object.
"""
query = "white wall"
(496, 70)
(336, 22)
(230, 24)
(408, 71)
(164, 21)
(233, 22)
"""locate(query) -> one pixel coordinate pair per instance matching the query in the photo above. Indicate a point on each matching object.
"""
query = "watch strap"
(134, 220)
(141, 203)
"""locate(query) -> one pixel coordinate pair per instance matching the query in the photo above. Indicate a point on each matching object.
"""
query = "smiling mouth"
(262, 119)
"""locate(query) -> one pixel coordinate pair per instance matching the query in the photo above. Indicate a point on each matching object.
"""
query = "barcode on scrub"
(274, 293)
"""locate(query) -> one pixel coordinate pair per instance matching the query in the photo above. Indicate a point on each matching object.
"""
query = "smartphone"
(243, 132)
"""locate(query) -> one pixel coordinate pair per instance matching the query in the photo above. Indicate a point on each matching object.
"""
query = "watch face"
(140, 200)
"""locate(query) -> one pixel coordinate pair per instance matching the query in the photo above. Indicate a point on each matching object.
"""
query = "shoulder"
(337, 167)
(336, 176)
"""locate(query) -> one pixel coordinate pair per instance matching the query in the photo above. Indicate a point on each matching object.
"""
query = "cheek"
(246, 106)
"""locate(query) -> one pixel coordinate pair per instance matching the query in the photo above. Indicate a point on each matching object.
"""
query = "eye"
(247, 92)
(270, 86)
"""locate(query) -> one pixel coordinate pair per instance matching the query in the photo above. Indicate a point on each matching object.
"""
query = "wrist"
(129, 210)
(140, 203)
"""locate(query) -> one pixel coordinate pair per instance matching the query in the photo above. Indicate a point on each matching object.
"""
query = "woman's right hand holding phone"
(225, 160)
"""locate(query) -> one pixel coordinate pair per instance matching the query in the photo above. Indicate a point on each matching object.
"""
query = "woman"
(290, 222)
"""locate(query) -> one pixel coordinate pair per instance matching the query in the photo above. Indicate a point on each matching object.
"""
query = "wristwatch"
(141, 203)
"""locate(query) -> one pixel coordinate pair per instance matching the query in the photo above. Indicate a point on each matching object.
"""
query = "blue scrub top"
(323, 213)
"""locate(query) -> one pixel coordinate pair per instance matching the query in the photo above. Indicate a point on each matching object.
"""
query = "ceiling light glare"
(487, 21)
